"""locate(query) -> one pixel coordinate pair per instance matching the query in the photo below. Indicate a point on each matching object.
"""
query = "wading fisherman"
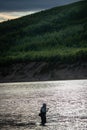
(43, 114)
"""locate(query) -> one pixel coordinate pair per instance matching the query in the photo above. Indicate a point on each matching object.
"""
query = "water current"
(67, 102)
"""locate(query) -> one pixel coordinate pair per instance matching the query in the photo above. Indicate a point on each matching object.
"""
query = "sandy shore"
(42, 71)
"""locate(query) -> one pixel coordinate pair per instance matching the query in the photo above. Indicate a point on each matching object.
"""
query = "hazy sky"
(10, 9)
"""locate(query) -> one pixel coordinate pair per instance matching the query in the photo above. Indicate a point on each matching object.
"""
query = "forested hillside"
(39, 46)
(57, 34)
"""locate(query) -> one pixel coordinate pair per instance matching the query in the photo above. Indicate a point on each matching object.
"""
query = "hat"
(44, 104)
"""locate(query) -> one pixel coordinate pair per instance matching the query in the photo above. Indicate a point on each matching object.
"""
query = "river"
(67, 102)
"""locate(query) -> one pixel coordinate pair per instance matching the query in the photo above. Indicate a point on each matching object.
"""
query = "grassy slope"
(58, 34)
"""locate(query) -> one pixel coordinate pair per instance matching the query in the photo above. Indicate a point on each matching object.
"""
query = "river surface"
(67, 102)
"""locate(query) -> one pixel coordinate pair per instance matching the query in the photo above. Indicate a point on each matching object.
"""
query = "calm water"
(67, 102)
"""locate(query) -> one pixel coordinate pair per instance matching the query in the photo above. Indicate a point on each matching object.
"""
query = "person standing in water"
(42, 114)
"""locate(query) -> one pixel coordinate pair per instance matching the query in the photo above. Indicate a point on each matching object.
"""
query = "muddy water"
(67, 102)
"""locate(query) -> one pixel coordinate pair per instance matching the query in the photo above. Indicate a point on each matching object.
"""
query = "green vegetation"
(58, 34)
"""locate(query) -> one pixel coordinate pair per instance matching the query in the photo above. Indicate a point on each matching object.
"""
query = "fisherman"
(43, 114)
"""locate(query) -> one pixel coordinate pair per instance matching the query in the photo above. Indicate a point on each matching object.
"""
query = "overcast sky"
(10, 9)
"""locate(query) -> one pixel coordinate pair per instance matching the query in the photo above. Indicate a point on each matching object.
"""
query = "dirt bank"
(41, 71)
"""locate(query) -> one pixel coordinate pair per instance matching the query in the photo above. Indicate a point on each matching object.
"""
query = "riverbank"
(42, 71)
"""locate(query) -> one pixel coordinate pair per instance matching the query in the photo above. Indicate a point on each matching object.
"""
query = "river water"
(67, 102)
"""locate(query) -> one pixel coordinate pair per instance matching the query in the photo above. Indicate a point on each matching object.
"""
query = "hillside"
(53, 39)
